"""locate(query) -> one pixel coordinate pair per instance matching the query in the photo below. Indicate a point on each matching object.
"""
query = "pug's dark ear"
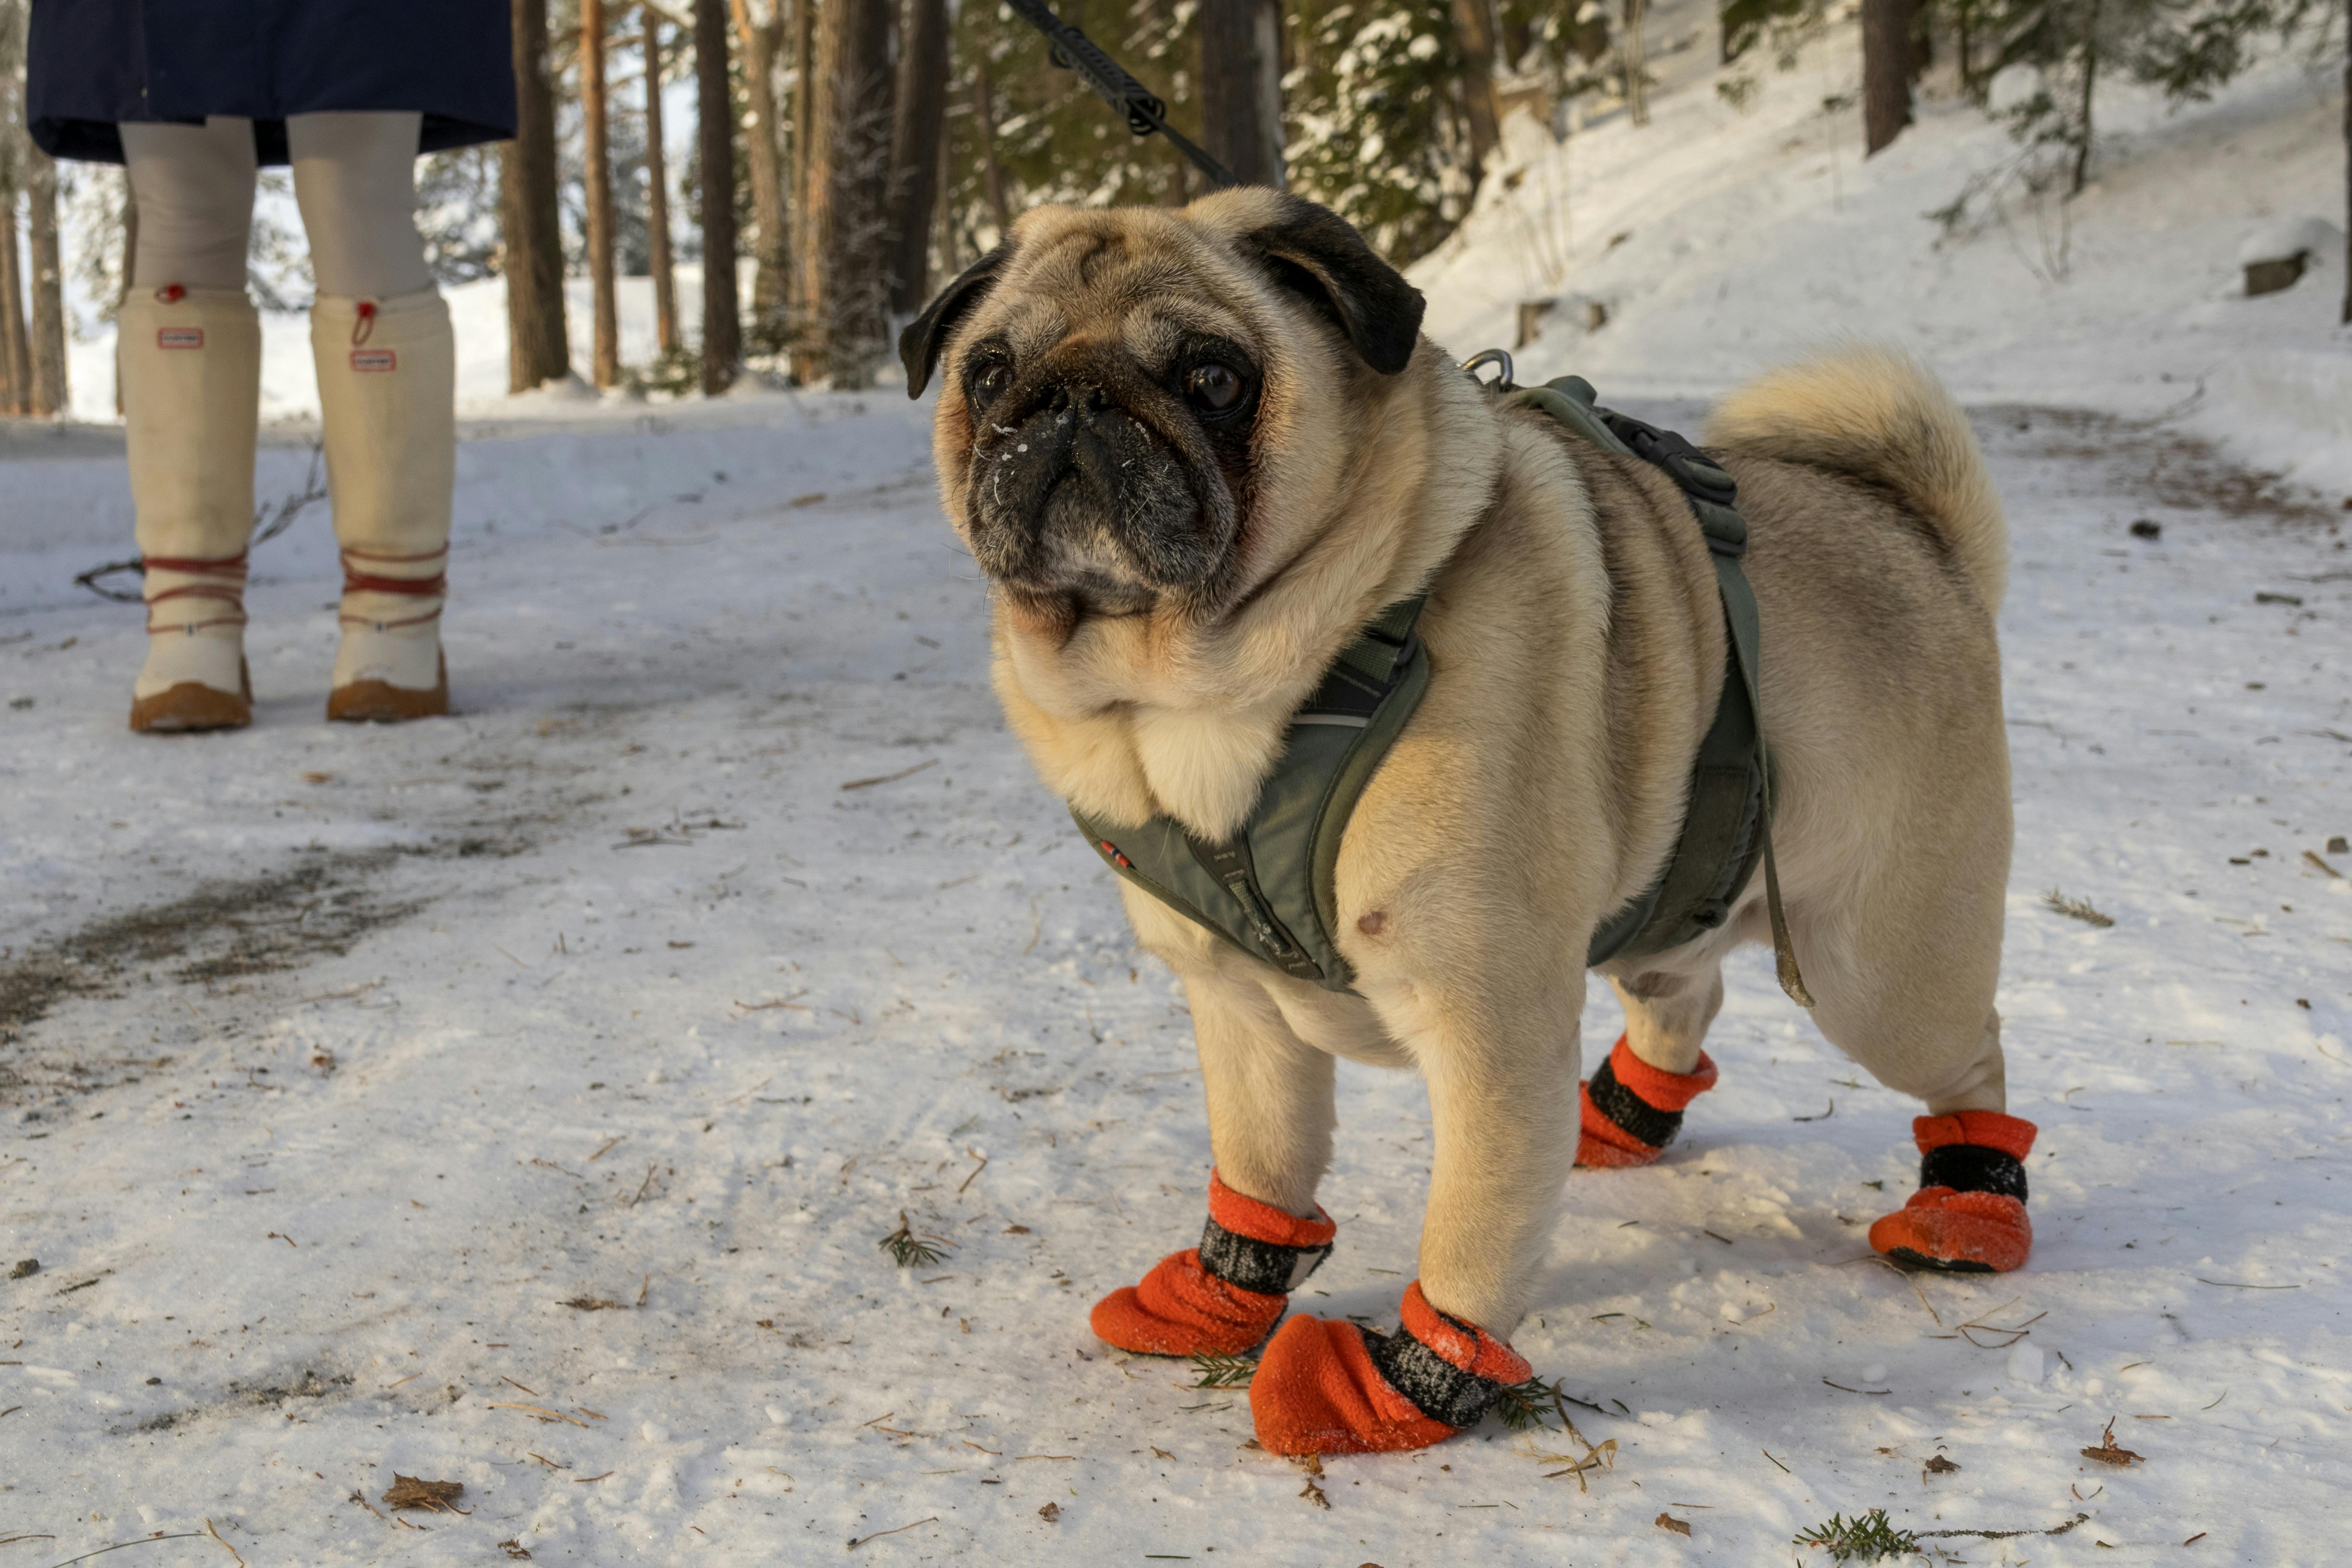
(1319, 254)
(926, 337)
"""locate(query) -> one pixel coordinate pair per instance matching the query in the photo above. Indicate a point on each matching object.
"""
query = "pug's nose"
(1080, 398)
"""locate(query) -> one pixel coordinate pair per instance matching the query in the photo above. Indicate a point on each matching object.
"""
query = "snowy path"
(605, 1013)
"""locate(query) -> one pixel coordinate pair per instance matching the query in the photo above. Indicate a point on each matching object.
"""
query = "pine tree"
(1380, 136)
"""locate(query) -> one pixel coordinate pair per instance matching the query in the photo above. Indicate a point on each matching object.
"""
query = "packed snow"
(724, 928)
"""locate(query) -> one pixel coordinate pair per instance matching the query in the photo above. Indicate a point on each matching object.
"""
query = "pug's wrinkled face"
(1120, 385)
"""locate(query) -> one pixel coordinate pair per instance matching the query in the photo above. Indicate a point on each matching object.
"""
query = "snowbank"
(1720, 242)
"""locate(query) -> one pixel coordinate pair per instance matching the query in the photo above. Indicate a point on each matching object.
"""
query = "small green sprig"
(907, 1249)
(1865, 1540)
(1224, 1371)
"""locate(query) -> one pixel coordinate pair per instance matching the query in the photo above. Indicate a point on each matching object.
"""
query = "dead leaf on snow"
(1668, 1522)
(1051, 1512)
(407, 1491)
(2107, 1453)
(1937, 1464)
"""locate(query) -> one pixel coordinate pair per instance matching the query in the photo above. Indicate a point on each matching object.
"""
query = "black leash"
(1143, 112)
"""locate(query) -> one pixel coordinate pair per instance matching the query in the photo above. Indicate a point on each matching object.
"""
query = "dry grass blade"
(1593, 1458)
(2005, 1336)
(594, 1304)
(540, 1411)
(2076, 910)
(222, 1541)
(883, 779)
(436, 1496)
(857, 1540)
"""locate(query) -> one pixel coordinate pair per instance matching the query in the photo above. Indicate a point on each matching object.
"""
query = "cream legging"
(354, 180)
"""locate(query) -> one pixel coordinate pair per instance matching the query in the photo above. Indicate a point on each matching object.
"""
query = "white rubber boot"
(190, 362)
(387, 385)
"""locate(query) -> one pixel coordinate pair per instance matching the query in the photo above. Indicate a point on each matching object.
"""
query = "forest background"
(870, 149)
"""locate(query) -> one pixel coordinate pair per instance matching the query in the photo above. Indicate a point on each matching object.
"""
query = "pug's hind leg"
(1270, 1121)
(1908, 994)
(1633, 1105)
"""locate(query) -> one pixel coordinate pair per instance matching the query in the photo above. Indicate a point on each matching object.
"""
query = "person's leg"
(387, 381)
(188, 350)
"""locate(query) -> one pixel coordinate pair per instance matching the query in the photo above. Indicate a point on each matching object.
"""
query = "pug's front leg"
(1270, 1120)
(1502, 1074)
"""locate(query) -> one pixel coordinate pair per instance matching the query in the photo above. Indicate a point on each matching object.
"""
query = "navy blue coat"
(93, 64)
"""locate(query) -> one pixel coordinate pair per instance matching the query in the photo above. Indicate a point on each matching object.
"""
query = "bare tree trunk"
(665, 268)
(51, 394)
(595, 133)
(2090, 80)
(1475, 22)
(1634, 56)
(1241, 86)
(722, 332)
(15, 354)
(922, 113)
(1886, 71)
(814, 278)
(537, 348)
(772, 246)
(858, 168)
(808, 198)
(983, 118)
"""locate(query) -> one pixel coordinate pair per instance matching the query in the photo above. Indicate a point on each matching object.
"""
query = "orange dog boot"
(1329, 1387)
(1219, 1298)
(1632, 1110)
(1968, 1215)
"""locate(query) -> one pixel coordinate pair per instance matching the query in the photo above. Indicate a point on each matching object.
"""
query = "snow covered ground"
(520, 1099)
(629, 1009)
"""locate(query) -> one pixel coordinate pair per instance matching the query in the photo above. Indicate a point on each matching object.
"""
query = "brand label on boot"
(179, 337)
(374, 359)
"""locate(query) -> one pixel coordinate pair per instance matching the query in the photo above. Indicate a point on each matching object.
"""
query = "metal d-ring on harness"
(1270, 888)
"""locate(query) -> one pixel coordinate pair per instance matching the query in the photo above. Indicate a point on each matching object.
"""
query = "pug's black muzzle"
(1078, 493)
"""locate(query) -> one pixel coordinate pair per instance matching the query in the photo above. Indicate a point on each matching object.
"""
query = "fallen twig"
(539, 1410)
(2005, 1534)
(868, 784)
(857, 1540)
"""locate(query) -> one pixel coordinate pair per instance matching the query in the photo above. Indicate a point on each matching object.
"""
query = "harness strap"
(1710, 492)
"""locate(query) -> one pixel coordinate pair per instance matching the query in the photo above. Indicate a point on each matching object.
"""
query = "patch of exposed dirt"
(2160, 462)
(225, 929)
(239, 1395)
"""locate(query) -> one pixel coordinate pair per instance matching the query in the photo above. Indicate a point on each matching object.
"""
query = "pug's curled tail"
(1875, 414)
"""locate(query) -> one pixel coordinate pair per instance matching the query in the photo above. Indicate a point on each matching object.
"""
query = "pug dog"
(1196, 452)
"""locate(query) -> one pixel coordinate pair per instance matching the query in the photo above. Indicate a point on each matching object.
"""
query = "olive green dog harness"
(1269, 888)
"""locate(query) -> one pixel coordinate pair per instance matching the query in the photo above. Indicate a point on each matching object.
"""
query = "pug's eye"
(1214, 387)
(989, 382)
